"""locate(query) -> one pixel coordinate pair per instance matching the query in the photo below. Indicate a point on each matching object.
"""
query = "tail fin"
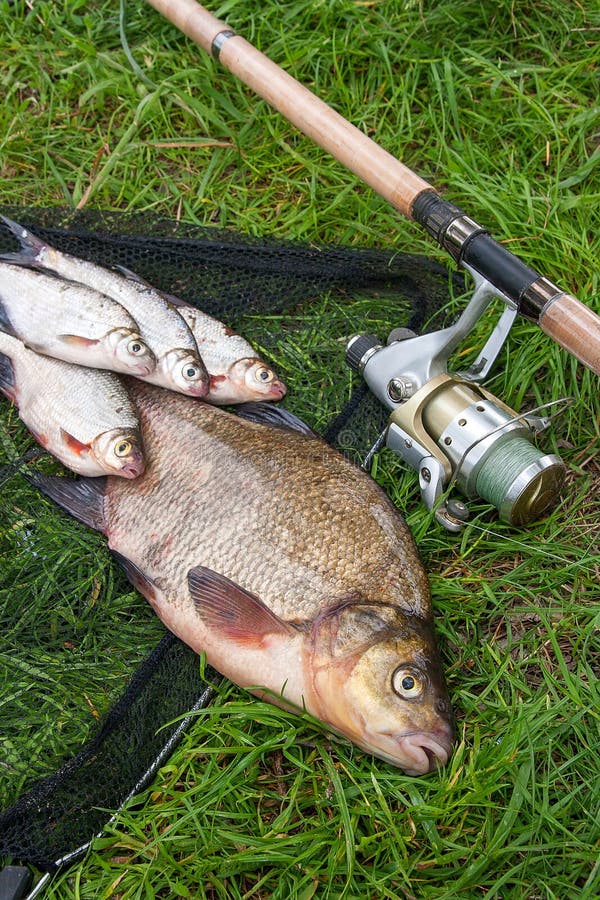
(82, 498)
(31, 246)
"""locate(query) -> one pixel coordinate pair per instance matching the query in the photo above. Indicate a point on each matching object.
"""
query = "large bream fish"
(285, 563)
(178, 364)
(82, 416)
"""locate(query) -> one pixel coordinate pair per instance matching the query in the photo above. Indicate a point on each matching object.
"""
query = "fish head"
(246, 380)
(377, 678)
(183, 371)
(131, 352)
(119, 452)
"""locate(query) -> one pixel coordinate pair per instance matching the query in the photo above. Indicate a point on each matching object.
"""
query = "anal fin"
(139, 579)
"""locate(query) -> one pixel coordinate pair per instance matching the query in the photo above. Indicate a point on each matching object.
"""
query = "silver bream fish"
(82, 416)
(285, 563)
(237, 375)
(66, 320)
(178, 364)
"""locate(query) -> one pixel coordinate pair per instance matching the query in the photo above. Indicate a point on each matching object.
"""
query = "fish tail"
(82, 498)
(8, 381)
(31, 246)
(5, 323)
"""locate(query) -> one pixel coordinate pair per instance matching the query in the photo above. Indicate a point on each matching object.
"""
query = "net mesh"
(298, 304)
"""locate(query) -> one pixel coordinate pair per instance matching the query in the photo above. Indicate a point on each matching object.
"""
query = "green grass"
(497, 104)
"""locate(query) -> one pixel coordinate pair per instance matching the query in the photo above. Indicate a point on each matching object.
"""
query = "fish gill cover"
(69, 764)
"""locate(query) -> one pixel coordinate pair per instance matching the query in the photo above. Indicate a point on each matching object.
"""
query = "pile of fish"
(256, 543)
(59, 313)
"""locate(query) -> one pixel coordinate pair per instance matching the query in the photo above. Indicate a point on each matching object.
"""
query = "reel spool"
(450, 429)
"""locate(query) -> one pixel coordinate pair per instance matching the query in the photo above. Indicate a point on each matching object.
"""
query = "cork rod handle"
(575, 327)
(394, 181)
(572, 324)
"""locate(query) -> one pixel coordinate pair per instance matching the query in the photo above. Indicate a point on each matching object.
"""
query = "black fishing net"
(298, 304)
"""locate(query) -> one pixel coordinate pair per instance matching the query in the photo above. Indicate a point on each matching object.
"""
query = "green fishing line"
(502, 466)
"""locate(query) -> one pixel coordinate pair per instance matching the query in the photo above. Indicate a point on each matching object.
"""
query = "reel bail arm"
(449, 428)
(560, 315)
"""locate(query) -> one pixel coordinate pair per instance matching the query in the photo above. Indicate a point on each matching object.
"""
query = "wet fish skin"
(287, 565)
(179, 366)
(84, 417)
(68, 321)
(237, 375)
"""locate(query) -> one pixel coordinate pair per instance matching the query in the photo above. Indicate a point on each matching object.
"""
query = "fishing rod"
(444, 425)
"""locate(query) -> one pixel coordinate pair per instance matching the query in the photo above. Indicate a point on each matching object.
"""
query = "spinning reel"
(449, 428)
(444, 425)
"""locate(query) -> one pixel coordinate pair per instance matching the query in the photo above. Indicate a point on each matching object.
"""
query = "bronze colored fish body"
(286, 564)
(178, 364)
(68, 321)
(237, 375)
(82, 416)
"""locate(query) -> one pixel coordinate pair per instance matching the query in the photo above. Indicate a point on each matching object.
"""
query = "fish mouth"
(415, 752)
(424, 752)
(198, 390)
(142, 369)
(131, 470)
(134, 466)
(278, 390)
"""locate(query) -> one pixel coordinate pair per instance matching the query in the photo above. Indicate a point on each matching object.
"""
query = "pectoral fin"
(76, 340)
(74, 444)
(231, 610)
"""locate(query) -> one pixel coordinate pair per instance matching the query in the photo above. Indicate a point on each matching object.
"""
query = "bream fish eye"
(191, 373)
(264, 374)
(136, 347)
(123, 448)
(407, 684)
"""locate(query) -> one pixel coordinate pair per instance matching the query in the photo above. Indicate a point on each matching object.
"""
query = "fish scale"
(256, 491)
(69, 321)
(285, 563)
(82, 416)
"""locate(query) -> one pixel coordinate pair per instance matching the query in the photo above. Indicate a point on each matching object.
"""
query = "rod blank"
(568, 321)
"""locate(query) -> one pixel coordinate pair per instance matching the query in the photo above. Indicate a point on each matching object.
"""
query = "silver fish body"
(66, 320)
(178, 364)
(286, 564)
(237, 375)
(82, 416)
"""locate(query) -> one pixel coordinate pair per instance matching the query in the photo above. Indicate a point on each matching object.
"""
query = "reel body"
(449, 429)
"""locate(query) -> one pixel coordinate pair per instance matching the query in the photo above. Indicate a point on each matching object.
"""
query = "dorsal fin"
(275, 416)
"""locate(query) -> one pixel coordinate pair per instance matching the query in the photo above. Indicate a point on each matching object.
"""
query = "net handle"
(572, 324)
